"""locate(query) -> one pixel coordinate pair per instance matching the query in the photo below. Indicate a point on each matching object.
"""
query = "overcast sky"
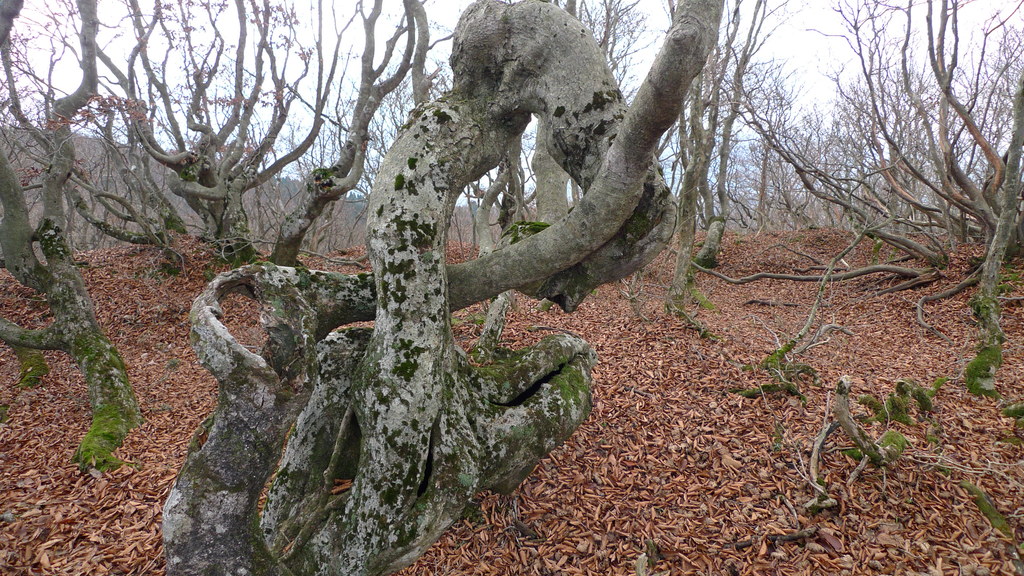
(806, 34)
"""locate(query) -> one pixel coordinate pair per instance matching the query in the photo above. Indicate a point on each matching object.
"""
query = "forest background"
(874, 238)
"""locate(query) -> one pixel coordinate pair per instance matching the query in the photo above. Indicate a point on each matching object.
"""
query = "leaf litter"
(671, 475)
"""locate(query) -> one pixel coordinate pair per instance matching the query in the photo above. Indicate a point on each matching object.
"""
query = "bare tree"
(923, 141)
(210, 108)
(392, 429)
(706, 136)
(377, 80)
(74, 329)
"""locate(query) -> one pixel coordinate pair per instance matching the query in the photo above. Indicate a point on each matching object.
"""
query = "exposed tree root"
(899, 271)
(883, 453)
(967, 283)
(922, 280)
(988, 509)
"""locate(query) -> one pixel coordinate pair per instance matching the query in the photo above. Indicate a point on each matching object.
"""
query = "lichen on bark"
(376, 440)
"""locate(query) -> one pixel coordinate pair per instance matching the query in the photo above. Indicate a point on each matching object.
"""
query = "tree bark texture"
(980, 373)
(75, 329)
(376, 439)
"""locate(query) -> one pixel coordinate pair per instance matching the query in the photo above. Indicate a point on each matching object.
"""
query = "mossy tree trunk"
(326, 185)
(74, 329)
(392, 430)
(979, 375)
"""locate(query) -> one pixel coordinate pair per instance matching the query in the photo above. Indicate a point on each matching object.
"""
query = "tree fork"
(395, 430)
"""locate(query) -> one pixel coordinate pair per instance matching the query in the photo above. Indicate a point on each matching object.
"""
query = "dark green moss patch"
(33, 367)
(442, 116)
(109, 428)
(979, 376)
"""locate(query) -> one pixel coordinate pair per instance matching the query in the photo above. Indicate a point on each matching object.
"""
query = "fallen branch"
(967, 283)
(783, 385)
(876, 269)
(793, 536)
(823, 330)
(777, 538)
(769, 303)
(816, 449)
(776, 361)
(988, 509)
(888, 448)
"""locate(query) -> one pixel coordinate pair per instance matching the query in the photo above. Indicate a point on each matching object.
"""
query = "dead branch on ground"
(899, 271)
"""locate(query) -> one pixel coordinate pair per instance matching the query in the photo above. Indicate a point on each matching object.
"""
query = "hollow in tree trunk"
(377, 438)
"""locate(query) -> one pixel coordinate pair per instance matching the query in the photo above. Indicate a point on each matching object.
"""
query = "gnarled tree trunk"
(74, 330)
(392, 430)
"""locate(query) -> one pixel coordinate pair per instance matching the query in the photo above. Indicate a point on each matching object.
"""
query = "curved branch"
(612, 172)
(876, 269)
(972, 280)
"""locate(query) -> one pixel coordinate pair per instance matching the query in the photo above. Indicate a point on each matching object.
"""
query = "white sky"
(806, 37)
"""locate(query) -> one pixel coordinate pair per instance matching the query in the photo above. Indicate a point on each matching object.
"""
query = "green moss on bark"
(787, 387)
(1014, 410)
(521, 230)
(33, 367)
(893, 444)
(109, 429)
(979, 376)
(988, 509)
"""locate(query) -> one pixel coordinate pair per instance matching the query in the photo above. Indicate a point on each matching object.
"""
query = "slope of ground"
(671, 467)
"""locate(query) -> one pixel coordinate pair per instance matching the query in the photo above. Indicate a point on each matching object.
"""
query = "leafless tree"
(926, 140)
(386, 433)
(377, 80)
(206, 92)
(39, 256)
(705, 138)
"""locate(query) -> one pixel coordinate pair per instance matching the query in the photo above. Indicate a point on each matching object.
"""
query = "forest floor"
(671, 467)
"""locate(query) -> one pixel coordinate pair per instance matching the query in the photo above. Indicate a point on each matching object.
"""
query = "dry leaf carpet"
(672, 474)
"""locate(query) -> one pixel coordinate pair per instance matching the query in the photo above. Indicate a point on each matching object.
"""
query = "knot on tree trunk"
(290, 416)
(376, 438)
